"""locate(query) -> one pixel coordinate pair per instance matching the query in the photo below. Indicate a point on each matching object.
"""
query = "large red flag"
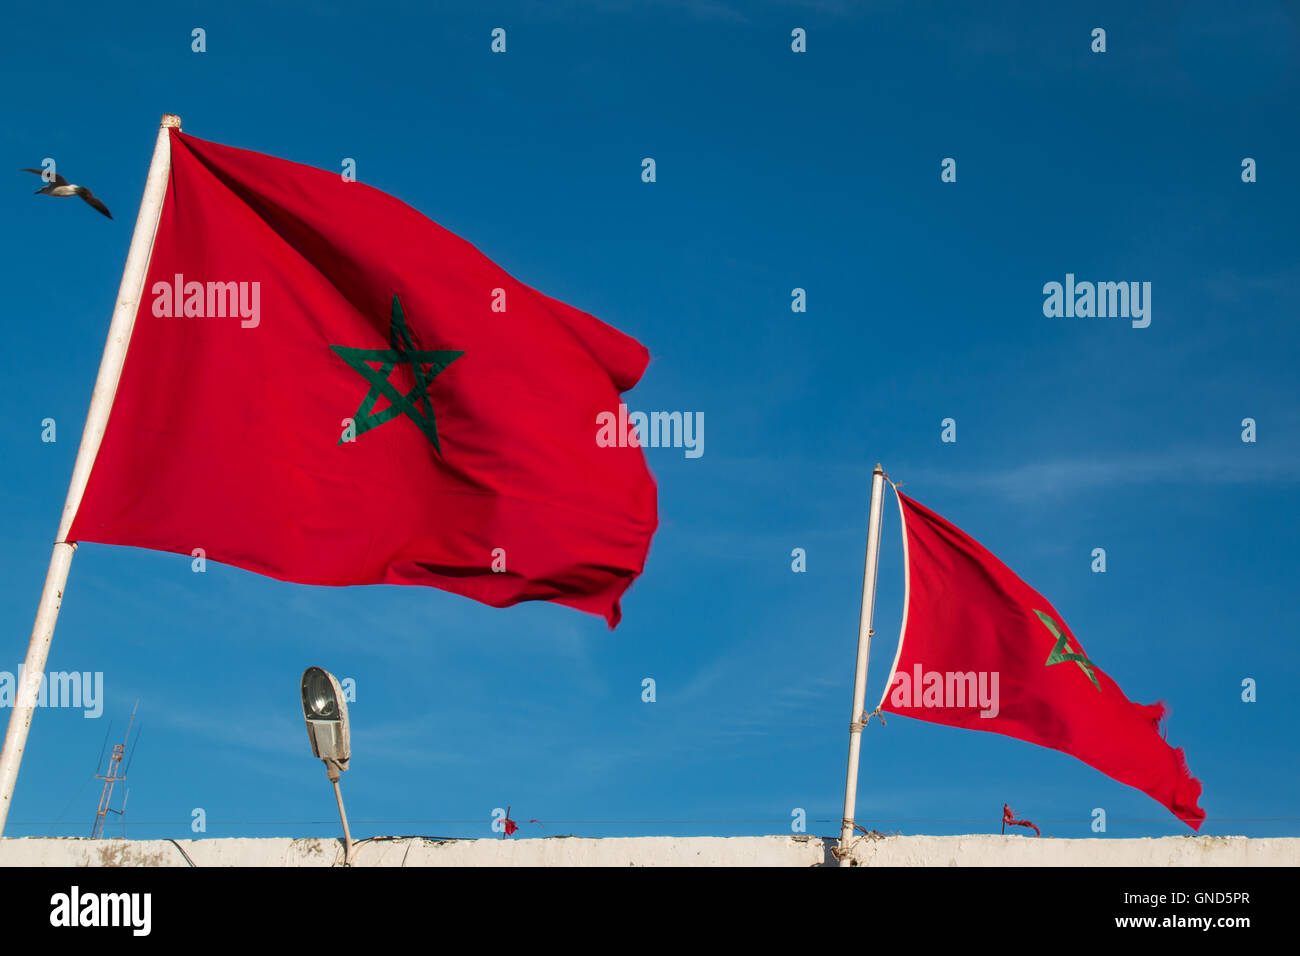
(325, 386)
(983, 650)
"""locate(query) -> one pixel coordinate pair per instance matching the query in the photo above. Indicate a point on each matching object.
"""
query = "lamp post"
(326, 713)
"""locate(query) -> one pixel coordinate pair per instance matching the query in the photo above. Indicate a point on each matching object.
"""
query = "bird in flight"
(61, 187)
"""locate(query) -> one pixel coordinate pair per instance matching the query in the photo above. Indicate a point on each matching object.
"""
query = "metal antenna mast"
(112, 777)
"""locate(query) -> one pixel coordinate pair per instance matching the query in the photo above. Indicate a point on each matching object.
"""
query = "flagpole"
(864, 655)
(129, 294)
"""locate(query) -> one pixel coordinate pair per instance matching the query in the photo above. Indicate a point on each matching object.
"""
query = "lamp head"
(326, 713)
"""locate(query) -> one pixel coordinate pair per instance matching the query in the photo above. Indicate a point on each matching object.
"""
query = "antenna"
(100, 761)
(112, 777)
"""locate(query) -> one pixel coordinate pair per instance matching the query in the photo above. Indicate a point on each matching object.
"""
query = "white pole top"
(171, 120)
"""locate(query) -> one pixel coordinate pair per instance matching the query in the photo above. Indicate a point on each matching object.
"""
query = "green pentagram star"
(1061, 652)
(425, 365)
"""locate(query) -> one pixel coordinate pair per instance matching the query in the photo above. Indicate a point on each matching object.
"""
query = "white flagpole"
(129, 294)
(864, 655)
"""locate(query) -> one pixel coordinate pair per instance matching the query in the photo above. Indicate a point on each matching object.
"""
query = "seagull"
(61, 187)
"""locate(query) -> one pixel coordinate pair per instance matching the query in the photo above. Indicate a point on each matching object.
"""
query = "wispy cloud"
(707, 10)
(1232, 286)
(1062, 477)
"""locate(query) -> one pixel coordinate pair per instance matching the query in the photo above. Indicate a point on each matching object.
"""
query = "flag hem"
(907, 597)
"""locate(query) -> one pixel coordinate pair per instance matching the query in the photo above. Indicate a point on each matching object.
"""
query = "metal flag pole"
(129, 294)
(843, 850)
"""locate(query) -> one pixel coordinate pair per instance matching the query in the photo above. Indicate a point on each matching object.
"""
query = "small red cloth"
(1008, 819)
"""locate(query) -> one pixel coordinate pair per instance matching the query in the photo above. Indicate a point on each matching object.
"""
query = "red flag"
(1009, 820)
(325, 386)
(981, 649)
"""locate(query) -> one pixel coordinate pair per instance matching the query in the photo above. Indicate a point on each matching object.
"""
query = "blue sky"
(775, 170)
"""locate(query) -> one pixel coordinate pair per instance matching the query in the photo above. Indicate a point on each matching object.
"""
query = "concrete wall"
(659, 851)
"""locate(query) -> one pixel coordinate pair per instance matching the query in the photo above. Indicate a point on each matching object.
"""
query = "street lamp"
(326, 713)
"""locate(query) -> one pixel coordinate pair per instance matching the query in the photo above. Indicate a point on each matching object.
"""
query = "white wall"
(982, 850)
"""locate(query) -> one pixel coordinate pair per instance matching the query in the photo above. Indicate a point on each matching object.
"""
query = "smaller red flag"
(981, 649)
(1009, 820)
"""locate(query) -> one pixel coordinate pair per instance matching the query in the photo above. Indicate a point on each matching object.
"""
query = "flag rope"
(907, 593)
